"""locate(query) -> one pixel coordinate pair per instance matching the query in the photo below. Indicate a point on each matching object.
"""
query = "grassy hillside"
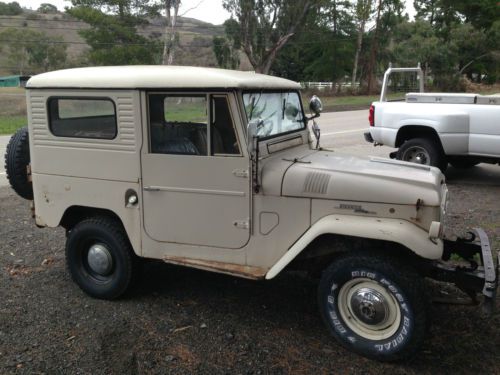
(195, 48)
(195, 36)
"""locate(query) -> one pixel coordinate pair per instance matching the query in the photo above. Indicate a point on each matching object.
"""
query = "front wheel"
(374, 306)
(423, 151)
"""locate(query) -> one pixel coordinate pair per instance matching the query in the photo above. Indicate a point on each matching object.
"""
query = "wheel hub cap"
(420, 158)
(99, 259)
(369, 306)
(417, 155)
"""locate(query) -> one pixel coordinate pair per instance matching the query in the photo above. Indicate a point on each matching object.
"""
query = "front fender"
(393, 230)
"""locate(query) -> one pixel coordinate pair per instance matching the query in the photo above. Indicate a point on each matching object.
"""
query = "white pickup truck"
(437, 128)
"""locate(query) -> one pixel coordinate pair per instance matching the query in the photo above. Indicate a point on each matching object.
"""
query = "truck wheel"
(374, 306)
(17, 159)
(100, 258)
(422, 151)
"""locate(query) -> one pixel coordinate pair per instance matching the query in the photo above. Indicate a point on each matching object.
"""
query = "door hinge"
(241, 173)
(243, 224)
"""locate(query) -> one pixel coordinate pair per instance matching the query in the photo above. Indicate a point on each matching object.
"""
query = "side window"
(178, 124)
(82, 117)
(222, 131)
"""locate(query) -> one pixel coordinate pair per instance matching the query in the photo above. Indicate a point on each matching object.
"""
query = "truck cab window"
(178, 124)
(223, 133)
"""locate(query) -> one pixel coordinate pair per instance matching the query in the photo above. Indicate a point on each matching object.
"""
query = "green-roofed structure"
(14, 81)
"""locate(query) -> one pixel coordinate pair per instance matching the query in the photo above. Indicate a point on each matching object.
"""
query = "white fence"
(328, 85)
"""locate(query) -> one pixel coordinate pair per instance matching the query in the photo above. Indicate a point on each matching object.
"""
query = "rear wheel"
(374, 306)
(422, 151)
(17, 159)
(100, 258)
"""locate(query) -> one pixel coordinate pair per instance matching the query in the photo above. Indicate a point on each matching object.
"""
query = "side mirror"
(315, 105)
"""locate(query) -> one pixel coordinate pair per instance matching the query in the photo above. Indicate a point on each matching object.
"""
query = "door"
(195, 173)
(484, 138)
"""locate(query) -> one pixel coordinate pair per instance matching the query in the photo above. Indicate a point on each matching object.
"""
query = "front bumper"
(476, 278)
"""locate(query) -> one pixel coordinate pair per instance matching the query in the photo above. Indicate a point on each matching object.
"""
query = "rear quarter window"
(82, 117)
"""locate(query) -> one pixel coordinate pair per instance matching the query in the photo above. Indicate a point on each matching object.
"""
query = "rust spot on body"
(248, 272)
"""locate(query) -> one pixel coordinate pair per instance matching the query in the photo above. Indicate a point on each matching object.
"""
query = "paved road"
(343, 132)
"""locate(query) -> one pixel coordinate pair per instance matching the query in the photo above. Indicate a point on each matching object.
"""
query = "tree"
(265, 26)
(48, 53)
(16, 45)
(10, 9)
(426, 10)
(170, 36)
(227, 57)
(171, 8)
(374, 48)
(445, 13)
(388, 15)
(417, 42)
(47, 8)
(29, 51)
(362, 15)
(335, 46)
(468, 43)
(113, 36)
(480, 13)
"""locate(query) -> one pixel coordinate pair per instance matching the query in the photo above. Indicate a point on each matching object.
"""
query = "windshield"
(275, 112)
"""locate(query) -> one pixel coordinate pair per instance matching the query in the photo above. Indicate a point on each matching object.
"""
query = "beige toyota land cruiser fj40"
(218, 170)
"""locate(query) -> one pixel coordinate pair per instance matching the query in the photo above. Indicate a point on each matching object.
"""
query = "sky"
(204, 10)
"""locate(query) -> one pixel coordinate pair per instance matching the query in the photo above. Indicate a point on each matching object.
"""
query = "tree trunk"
(263, 63)
(363, 13)
(373, 51)
(169, 39)
(265, 66)
(356, 56)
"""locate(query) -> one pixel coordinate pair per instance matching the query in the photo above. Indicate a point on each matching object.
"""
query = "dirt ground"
(183, 321)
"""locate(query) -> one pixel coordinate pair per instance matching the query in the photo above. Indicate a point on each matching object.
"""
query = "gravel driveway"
(184, 321)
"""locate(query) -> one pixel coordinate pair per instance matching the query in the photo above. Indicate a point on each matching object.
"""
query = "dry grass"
(12, 109)
(12, 101)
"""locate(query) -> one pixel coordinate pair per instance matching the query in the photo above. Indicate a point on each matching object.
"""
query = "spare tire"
(17, 159)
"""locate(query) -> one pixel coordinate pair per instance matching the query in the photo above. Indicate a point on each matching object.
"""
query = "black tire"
(107, 236)
(424, 151)
(463, 163)
(17, 159)
(400, 287)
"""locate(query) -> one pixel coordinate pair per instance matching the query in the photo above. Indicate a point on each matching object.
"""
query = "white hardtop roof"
(157, 77)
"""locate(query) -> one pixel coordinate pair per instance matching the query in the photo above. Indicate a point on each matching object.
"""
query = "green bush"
(10, 9)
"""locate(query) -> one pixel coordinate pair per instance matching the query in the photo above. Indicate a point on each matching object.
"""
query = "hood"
(329, 175)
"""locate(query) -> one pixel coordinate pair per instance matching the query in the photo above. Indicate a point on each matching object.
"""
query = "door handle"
(151, 188)
(241, 173)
